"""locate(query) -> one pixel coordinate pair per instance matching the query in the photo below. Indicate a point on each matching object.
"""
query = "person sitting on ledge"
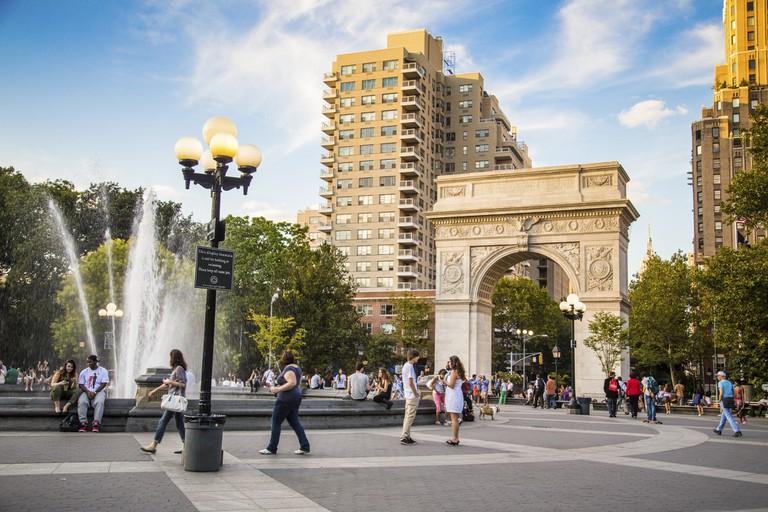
(383, 389)
(92, 382)
(359, 385)
(64, 386)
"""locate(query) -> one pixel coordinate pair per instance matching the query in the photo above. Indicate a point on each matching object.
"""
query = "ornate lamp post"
(220, 135)
(556, 357)
(524, 334)
(275, 296)
(112, 313)
(573, 309)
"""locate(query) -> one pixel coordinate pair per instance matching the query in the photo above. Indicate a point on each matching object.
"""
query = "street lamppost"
(220, 135)
(556, 357)
(573, 309)
(275, 296)
(524, 333)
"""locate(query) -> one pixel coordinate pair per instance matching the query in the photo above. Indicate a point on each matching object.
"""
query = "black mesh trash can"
(202, 443)
(584, 405)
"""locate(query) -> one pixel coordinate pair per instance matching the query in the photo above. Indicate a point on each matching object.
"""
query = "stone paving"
(525, 459)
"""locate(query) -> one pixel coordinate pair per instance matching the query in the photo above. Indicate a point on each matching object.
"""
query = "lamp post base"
(203, 442)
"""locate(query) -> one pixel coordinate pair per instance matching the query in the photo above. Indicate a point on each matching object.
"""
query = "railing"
(408, 183)
(406, 252)
(330, 76)
(327, 141)
(327, 109)
(405, 286)
(411, 117)
(329, 92)
(413, 99)
(409, 150)
(407, 220)
(409, 132)
(412, 66)
(327, 156)
(407, 202)
(406, 268)
(504, 167)
(328, 126)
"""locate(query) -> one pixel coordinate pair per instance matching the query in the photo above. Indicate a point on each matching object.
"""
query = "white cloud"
(266, 210)
(691, 58)
(648, 113)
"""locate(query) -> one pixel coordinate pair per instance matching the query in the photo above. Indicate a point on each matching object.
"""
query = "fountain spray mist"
(74, 265)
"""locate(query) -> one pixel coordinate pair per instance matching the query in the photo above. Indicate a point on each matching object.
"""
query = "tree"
(608, 339)
(274, 335)
(748, 193)
(413, 319)
(660, 320)
(380, 352)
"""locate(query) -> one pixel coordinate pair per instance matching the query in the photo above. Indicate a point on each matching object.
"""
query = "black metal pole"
(573, 402)
(204, 407)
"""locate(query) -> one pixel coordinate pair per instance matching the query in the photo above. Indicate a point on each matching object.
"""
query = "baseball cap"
(721, 373)
(93, 357)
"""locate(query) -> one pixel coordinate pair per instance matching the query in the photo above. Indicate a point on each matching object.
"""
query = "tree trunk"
(672, 374)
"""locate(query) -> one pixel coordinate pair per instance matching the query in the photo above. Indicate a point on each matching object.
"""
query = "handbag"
(728, 402)
(174, 403)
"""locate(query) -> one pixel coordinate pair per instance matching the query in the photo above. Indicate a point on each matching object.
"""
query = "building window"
(347, 86)
(715, 147)
(346, 151)
(363, 250)
(363, 266)
(701, 227)
(752, 64)
(698, 180)
(386, 181)
(364, 200)
(388, 130)
(389, 81)
(365, 182)
(365, 165)
(365, 309)
(385, 282)
(389, 97)
(348, 70)
(388, 114)
(387, 163)
(753, 104)
(699, 196)
(386, 216)
(387, 328)
(387, 199)
(389, 147)
(346, 134)
(450, 136)
(385, 266)
(343, 184)
(369, 99)
(715, 133)
(363, 282)
(368, 116)
(715, 179)
(364, 218)
(481, 148)
(465, 88)
(750, 6)
(717, 195)
(750, 36)
(465, 104)
(698, 149)
(465, 119)
(715, 163)
(738, 162)
(750, 21)
(752, 78)
(482, 133)
(386, 234)
(364, 234)
(718, 225)
(368, 84)
(366, 149)
(344, 218)
(367, 327)
(369, 67)
(717, 208)
(344, 201)
(343, 235)
(347, 102)
(386, 249)
(389, 65)
(367, 132)
(735, 103)
(386, 309)
(345, 167)
(736, 117)
(482, 164)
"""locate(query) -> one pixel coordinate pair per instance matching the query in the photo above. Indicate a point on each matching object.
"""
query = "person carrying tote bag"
(174, 403)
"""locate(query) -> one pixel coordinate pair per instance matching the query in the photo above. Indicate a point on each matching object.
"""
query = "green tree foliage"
(519, 303)
(748, 193)
(381, 351)
(608, 339)
(734, 289)
(660, 321)
(274, 335)
(414, 317)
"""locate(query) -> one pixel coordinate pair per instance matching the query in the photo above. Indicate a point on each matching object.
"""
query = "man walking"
(92, 381)
(538, 392)
(611, 390)
(359, 386)
(680, 393)
(650, 390)
(411, 393)
(551, 390)
(634, 390)
(726, 398)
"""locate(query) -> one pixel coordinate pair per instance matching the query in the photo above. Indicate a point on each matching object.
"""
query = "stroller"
(467, 413)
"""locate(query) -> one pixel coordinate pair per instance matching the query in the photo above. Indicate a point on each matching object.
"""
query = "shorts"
(439, 399)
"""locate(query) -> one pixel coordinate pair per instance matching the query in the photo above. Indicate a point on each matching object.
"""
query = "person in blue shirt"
(725, 395)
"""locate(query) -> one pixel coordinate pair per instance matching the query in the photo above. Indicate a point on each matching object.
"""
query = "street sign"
(109, 340)
(214, 268)
(215, 231)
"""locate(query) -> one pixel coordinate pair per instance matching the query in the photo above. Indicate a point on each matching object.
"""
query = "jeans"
(650, 408)
(289, 411)
(411, 406)
(164, 420)
(612, 406)
(538, 399)
(727, 415)
(551, 401)
(97, 403)
(633, 404)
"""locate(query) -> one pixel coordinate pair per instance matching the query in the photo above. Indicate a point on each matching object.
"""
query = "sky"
(94, 90)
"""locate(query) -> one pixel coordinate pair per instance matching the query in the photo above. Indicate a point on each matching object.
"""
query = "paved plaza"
(523, 460)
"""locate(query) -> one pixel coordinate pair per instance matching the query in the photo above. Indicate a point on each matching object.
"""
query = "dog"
(486, 410)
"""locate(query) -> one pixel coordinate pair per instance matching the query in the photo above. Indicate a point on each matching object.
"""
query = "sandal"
(452, 443)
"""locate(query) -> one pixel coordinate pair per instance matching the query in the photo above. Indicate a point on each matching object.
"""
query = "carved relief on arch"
(478, 256)
(599, 269)
(571, 251)
(454, 191)
(576, 225)
(452, 273)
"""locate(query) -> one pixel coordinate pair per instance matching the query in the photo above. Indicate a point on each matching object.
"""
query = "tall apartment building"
(396, 121)
(312, 220)
(719, 152)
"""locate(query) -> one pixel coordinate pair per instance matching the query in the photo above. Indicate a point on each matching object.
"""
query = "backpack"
(613, 386)
(653, 385)
(70, 423)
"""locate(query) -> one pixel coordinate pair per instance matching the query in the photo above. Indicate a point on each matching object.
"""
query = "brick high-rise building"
(397, 119)
(719, 152)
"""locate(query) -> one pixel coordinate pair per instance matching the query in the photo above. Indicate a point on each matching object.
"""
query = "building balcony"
(330, 78)
(326, 209)
(407, 239)
(410, 153)
(326, 192)
(410, 135)
(325, 227)
(409, 205)
(329, 110)
(504, 167)
(503, 153)
(410, 170)
(411, 121)
(407, 271)
(411, 87)
(408, 187)
(413, 70)
(408, 223)
(330, 95)
(406, 286)
(408, 255)
(328, 128)
(326, 175)
(328, 159)
(412, 103)
(328, 142)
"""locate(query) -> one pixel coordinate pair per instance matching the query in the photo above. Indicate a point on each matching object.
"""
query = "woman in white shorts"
(454, 398)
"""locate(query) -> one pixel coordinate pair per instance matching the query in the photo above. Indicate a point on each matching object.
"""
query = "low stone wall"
(121, 415)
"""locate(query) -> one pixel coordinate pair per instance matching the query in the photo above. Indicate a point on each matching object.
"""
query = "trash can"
(202, 444)
(584, 404)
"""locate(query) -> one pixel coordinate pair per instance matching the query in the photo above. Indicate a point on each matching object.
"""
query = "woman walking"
(176, 384)
(437, 385)
(383, 388)
(698, 398)
(454, 398)
(738, 396)
(64, 386)
(633, 392)
(287, 406)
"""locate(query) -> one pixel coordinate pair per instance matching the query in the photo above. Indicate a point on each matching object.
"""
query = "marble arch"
(576, 215)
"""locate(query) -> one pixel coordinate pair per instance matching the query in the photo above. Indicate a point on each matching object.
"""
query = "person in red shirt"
(634, 390)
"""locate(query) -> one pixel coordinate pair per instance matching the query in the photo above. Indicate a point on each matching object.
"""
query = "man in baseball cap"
(725, 396)
(92, 382)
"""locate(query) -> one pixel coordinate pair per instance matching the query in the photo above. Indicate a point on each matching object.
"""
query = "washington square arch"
(578, 216)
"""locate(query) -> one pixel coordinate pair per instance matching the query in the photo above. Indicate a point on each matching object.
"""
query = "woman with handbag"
(174, 403)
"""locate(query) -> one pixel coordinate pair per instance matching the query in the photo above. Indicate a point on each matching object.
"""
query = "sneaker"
(267, 452)
(82, 427)
(301, 452)
(717, 431)
(407, 440)
(737, 434)
(95, 427)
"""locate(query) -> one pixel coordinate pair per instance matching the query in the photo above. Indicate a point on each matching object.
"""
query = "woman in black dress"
(383, 388)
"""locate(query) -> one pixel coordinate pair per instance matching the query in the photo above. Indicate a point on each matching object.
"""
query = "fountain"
(74, 264)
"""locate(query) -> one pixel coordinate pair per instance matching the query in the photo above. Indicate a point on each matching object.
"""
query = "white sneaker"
(266, 452)
(301, 452)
